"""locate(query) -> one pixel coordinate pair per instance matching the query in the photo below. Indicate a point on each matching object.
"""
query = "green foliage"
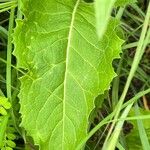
(133, 136)
(6, 5)
(67, 68)
(7, 131)
(9, 137)
(4, 105)
(64, 52)
(124, 2)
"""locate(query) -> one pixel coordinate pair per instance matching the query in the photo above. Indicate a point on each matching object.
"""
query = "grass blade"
(141, 129)
(137, 58)
(103, 10)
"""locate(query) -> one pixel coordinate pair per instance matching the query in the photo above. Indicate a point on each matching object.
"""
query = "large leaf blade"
(66, 66)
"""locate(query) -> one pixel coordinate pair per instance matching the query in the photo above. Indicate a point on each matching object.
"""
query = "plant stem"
(120, 13)
(115, 86)
(3, 32)
(9, 54)
(130, 45)
(7, 8)
(7, 4)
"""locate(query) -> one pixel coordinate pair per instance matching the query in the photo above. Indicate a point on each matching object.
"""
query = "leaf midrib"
(67, 61)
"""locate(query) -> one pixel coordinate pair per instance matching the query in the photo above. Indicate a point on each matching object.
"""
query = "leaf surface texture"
(67, 68)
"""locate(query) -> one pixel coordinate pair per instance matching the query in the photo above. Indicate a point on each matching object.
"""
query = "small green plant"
(7, 134)
(4, 105)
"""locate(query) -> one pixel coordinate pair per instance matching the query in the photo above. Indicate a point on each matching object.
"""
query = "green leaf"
(103, 10)
(8, 148)
(3, 111)
(67, 68)
(133, 136)
(4, 102)
(11, 143)
(11, 136)
(124, 2)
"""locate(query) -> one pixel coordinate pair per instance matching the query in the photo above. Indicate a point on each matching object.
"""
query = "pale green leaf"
(67, 68)
(103, 10)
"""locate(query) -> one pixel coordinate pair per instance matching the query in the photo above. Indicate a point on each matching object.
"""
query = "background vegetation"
(135, 133)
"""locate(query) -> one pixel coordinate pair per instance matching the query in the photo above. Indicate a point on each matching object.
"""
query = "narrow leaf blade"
(103, 10)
